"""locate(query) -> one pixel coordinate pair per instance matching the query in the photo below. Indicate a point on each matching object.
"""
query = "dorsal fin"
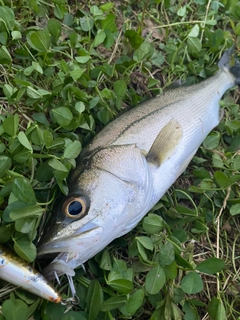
(165, 143)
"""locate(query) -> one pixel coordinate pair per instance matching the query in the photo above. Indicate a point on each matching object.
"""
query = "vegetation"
(67, 69)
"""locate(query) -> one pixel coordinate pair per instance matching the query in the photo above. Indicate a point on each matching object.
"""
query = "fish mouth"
(66, 244)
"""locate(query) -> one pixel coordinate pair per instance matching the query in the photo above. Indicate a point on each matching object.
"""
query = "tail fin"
(235, 70)
(231, 63)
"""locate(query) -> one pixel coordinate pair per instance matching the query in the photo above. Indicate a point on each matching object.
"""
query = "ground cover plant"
(67, 69)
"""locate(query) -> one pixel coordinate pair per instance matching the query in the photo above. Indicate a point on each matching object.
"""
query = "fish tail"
(235, 70)
(228, 61)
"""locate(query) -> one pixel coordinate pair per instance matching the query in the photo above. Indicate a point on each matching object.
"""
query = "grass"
(67, 69)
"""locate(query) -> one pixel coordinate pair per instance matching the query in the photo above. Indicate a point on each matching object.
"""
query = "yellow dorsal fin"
(165, 143)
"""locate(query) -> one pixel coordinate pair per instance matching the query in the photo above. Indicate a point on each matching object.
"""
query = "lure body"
(16, 271)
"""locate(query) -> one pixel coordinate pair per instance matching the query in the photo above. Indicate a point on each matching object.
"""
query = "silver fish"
(18, 272)
(129, 166)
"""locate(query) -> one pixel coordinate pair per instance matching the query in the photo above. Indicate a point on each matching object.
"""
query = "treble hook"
(70, 302)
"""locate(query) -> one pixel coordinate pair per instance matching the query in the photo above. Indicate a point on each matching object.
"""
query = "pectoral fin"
(165, 143)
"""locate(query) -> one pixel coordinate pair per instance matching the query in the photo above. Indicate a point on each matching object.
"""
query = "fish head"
(108, 192)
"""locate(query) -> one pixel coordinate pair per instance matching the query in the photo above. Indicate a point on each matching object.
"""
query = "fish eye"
(75, 207)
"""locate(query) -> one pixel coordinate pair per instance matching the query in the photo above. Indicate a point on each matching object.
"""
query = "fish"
(129, 166)
(18, 272)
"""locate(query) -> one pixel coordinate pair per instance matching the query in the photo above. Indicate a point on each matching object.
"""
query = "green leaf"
(5, 164)
(104, 116)
(215, 38)
(166, 255)
(5, 233)
(107, 6)
(8, 90)
(94, 299)
(109, 23)
(32, 93)
(25, 225)
(157, 59)
(235, 178)
(39, 40)
(80, 106)
(60, 177)
(22, 156)
(15, 309)
(194, 44)
(113, 303)
(28, 71)
(16, 35)
(236, 163)
(23, 190)
(155, 280)
(2, 149)
(56, 144)
(73, 315)
(222, 179)
(3, 37)
(211, 22)
(15, 205)
(134, 38)
(99, 38)
(186, 211)
(41, 118)
(62, 115)
(57, 165)
(192, 283)
(124, 286)
(5, 57)
(212, 141)
(190, 312)
(37, 67)
(217, 161)
(158, 314)
(60, 10)
(96, 11)
(235, 209)
(180, 234)
(201, 173)
(77, 73)
(135, 301)
(153, 223)
(86, 23)
(105, 262)
(44, 172)
(72, 150)
(182, 11)
(171, 270)
(24, 141)
(54, 28)
(216, 309)
(142, 251)
(145, 50)
(7, 17)
(32, 211)
(83, 59)
(10, 125)
(194, 31)
(146, 242)
(211, 265)
(25, 249)
(120, 88)
(55, 311)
